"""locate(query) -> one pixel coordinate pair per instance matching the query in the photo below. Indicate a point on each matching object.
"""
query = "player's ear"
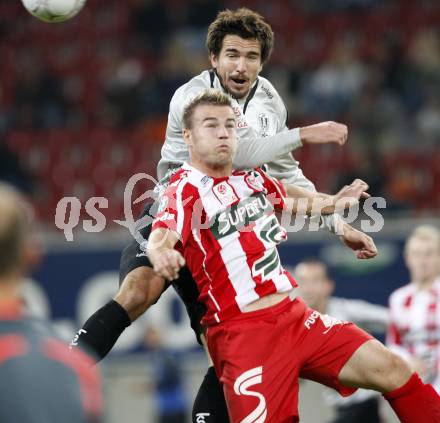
(214, 60)
(187, 136)
(31, 254)
(331, 286)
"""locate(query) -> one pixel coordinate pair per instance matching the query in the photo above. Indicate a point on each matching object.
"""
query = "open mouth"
(239, 81)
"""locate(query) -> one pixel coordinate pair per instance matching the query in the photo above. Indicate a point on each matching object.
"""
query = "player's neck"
(425, 284)
(220, 171)
(321, 306)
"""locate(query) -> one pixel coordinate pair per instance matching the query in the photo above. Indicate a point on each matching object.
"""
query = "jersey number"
(272, 231)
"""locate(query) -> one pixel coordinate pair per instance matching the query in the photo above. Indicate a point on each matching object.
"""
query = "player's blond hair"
(424, 233)
(246, 24)
(208, 97)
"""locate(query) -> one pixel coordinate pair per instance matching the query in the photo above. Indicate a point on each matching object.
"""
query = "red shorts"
(259, 356)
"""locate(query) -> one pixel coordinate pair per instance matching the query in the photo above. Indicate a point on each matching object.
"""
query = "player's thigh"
(373, 366)
(327, 346)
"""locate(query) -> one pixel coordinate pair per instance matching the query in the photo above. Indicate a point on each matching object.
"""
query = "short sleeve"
(276, 193)
(174, 213)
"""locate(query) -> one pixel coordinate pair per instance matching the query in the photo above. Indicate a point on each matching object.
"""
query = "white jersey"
(261, 128)
(414, 329)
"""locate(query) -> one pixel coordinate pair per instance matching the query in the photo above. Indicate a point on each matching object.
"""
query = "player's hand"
(350, 195)
(323, 133)
(362, 244)
(168, 263)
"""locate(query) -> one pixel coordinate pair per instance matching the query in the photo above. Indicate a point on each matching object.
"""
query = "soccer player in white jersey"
(414, 331)
(220, 222)
(316, 289)
(239, 44)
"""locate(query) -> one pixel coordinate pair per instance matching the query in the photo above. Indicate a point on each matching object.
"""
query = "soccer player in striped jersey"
(261, 336)
(414, 331)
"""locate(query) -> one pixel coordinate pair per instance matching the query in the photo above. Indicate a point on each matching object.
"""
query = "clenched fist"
(324, 132)
(350, 195)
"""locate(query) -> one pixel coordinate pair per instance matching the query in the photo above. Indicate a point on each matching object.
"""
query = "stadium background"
(83, 107)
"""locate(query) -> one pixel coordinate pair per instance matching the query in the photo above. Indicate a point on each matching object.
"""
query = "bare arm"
(142, 279)
(302, 200)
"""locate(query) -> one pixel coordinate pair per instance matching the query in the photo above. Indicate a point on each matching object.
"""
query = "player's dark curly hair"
(242, 22)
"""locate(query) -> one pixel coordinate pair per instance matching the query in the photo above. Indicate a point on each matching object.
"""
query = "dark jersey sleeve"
(134, 256)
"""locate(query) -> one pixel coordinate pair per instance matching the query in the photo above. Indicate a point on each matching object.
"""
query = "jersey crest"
(263, 120)
(253, 182)
(225, 193)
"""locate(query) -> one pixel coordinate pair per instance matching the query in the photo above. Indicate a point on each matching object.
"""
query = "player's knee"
(375, 367)
(135, 293)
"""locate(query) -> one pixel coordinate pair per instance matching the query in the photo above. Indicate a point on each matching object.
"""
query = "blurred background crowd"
(83, 104)
(83, 107)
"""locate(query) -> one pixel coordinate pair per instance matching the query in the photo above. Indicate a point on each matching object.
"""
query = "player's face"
(314, 284)
(423, 259)
(212, 139)
(238, 64)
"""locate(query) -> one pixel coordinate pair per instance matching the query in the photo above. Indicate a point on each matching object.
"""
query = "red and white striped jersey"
(414, 329)
(228, 234)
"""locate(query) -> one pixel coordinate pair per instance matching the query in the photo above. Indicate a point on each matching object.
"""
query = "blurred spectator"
(333, 85)
(331, 6)
(423, 68)
(40, 379)
(414, 308)
(152, 24)
(170, 395)
(200, 13)
(316, 288)
(375, 65)
(38, 101)
(11, 170)
(428, 121)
